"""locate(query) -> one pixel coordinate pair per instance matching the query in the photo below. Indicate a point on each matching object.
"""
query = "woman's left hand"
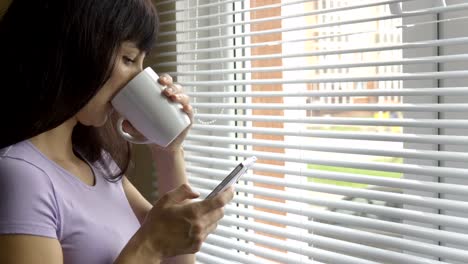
(175, 93)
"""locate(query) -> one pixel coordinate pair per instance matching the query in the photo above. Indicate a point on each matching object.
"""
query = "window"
(356, 111)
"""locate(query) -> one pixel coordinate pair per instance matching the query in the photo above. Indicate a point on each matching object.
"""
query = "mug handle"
(127, 136)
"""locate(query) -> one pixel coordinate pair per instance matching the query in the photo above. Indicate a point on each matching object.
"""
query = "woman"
(64, 197)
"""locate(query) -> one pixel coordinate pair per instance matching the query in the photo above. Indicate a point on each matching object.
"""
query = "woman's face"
(128, 63)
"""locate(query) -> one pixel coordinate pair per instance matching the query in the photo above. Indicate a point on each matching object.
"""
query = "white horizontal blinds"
(356, 111)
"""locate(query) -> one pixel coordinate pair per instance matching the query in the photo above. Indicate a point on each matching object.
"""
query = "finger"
(180, 194)
(215, 215)
(219, 201)
(206, 223)
(228, 194)
(173, 89)
(210, 229)
(182, 99)
(178, 88)
(165, 79)
(189, 110)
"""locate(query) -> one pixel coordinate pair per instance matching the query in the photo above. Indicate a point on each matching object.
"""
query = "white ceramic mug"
(144, 105)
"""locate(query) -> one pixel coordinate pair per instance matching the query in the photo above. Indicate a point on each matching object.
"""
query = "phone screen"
(235, 174)
(226, 181)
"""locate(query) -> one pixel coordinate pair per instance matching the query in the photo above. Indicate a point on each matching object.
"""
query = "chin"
(96, 121)
(103, 121)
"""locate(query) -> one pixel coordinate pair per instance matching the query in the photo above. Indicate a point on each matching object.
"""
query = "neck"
(57, 142)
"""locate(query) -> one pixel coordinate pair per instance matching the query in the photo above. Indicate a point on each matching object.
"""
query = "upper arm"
(138, 203)
(28, 215)
(27, 249)
(27, 200)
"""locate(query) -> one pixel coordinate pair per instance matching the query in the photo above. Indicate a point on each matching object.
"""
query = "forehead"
(131, 49)
(129, 45)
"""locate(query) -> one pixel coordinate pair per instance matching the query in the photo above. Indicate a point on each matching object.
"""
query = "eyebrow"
(132, 47)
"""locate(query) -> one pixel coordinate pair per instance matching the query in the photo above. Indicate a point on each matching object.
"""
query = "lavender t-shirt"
(38, 197)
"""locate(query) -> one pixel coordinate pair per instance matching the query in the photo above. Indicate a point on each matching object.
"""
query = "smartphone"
(232, 178)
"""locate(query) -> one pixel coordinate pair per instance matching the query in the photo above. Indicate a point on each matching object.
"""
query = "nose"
(138, 68)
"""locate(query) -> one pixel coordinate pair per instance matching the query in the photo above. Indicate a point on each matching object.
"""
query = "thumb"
(180, 194)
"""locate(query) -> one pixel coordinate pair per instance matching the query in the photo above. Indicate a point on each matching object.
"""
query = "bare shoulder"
(27, 249)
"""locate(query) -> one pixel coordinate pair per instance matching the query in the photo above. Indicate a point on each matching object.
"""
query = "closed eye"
(128, 60)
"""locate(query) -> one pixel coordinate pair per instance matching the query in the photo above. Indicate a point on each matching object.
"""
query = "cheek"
(95, 113)
(101, 101)
(109, 90)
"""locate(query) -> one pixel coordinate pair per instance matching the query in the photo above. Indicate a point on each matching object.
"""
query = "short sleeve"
(27, 200)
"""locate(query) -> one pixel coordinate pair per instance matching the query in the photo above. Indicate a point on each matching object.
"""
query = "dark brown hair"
(56, 55)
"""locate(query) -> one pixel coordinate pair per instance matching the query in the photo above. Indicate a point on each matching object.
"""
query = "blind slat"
(410, 138)
(333, 79)
(259, 8)
(406, 199)
(445, 188)
(427, 123)
(404, 153)
(209, 259)
(378, 166)
(333, 217)
(344, 219)
(198, 50)
(331, 244)
(199, 6)
(326, 218)
(323, 66)
(225, 253)
(221, 241)
(349, 65)
(311, 251)
(376, 239)
(451, 91)
(428, 11)
(374, 48)
(263, 20)
(340, 107)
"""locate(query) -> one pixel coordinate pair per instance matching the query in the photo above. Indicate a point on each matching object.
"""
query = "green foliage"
(355, 171)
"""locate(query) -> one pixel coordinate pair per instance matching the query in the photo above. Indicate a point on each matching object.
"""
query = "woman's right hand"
(176, 227)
